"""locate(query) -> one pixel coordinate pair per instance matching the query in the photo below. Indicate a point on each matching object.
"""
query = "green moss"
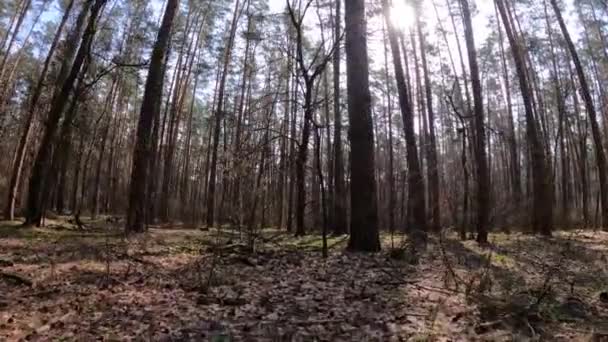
(501, 259)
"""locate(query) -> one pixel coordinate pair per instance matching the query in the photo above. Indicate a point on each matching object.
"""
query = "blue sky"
(485, 9)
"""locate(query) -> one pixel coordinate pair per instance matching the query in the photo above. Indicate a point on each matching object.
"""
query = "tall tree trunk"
(29, 120)
(104, 138)
(301, 159)
(292, 154)
(389, 109)
(61, 156)
(315, 191)
(364, 215)
(76, 174)
(136, 215)
(322, 184)
(184, 70)
(284, 162)
(13, 36)
(582, 155)
(561, 112)
(309, 74)
(6, 83)
(433, 165)
(483, 180)
(158, 131)
(11, 23)
(415, 181)
(218, 117)
(339, 197)
(595, 129)
(514, 166)
(542, 207)
(245, 80)
(40, 170)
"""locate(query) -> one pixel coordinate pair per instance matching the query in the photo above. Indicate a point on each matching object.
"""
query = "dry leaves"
(178, 285)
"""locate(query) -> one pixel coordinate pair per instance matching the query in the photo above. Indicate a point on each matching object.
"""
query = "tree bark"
(542, 207)
(218, 118)
(40, 170)
(364, 215)
(391, 159)
(433, 164)
(136, 215)
(29, 120)
(339, 197)
(514, 166)
(483, 180)
(415, 182)
(595, 129)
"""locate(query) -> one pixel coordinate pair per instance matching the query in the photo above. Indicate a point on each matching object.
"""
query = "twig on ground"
(41, 293)
(16, 278)
(446, 262)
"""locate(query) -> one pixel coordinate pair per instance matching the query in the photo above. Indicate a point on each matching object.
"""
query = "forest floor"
(177, 284)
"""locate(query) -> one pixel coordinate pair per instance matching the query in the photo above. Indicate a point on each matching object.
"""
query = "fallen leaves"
(173, 284)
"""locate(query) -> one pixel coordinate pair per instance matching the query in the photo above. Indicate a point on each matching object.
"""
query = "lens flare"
(402, 15)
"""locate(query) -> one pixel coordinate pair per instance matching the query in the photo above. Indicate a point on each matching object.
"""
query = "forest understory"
(358, 163)
(68, 282)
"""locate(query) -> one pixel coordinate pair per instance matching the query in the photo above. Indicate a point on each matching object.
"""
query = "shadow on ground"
(180, 284)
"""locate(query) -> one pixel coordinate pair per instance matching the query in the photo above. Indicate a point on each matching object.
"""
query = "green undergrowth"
(14, 229)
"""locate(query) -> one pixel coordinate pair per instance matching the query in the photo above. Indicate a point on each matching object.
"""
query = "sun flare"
(402, 15)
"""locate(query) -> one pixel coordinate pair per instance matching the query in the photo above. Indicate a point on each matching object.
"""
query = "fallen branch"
(16, 278)
(286, 321)
(6, 263)
(41, 293)
(316, 321)
(447, 292)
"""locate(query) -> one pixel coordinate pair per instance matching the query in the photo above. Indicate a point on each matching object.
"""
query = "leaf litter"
(173, 284)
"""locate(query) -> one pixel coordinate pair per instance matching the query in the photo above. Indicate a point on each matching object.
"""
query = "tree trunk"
(483, 180)
(40, 170)
(301, 161)
(136, 215)
(15, 32)
(389, 109)
(514, 166)
(339, 197)
(29, 120)
(433, 165)
(542, 207)
(415, 182)
(364, 215)
(595, 129)
(104, 139)
(561, 112)
(292, 156)
(218, 118)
